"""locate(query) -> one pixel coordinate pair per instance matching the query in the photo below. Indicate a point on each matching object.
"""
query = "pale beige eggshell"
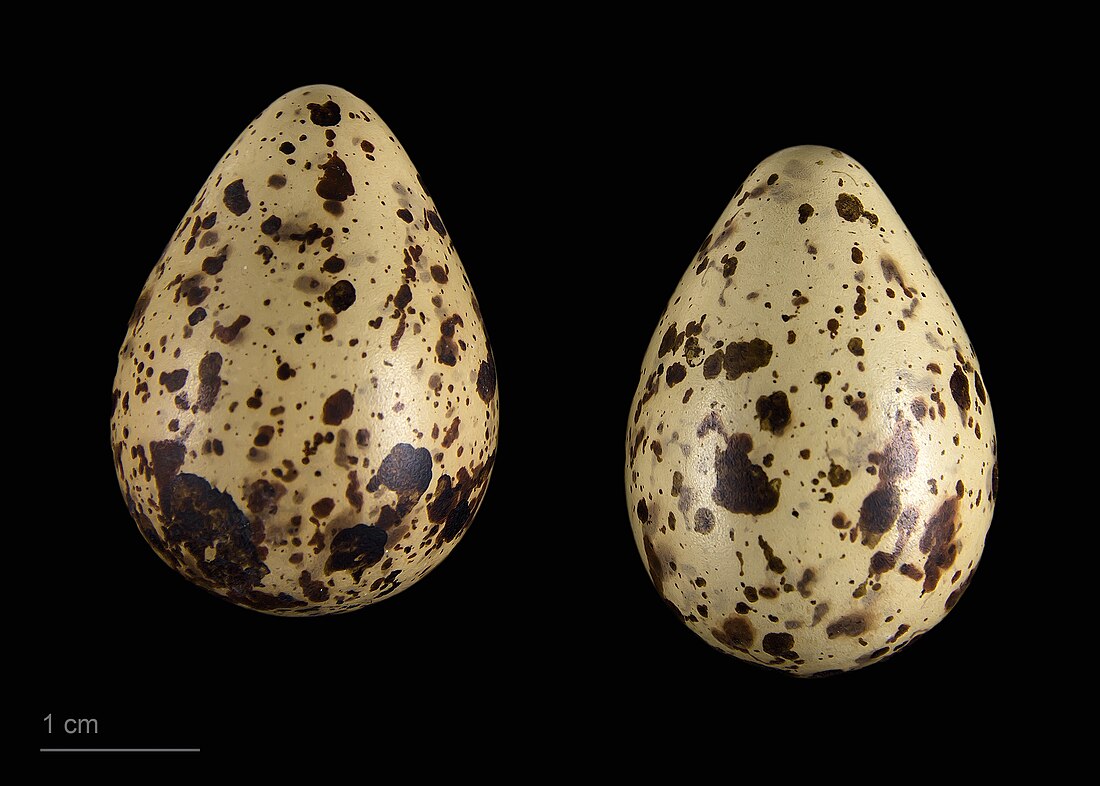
(811, 459)
(305, 410)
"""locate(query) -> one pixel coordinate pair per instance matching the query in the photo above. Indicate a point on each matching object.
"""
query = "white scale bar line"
(118, 750)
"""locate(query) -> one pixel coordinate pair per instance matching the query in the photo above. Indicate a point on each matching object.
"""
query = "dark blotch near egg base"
(197, 518)
(451, 503)
(406, 470)
(356, 548)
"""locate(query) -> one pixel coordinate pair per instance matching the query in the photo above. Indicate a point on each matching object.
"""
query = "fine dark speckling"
(305, 408)
(835, 455)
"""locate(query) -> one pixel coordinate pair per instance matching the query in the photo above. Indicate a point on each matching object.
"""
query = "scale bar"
(118, 750)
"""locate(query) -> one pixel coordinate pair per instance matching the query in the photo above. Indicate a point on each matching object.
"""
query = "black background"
(577, 177)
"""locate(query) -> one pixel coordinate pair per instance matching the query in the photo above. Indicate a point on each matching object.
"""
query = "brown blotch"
(860, 307)
(326, 114)
(878, 512)
(881, 562)
(741, 486)
(670, 342)
(775, 564)
(656, 568)
(676, 373)
(336, 182)
(712, 366)
(446, 349)
(838, 475)
(263, 437)
(938, 542)
(435, 222)
(742, 357)
(451, 501)
(736, 633)
(487, 379)
(773, 412)
(808, 577)
(957, 593)
(451, 434)
(911, 571)
(173, 380)
(271, 225)
(356, 548)
(213, 265)
(198, 517)
(704, 520)
(892, 274)
(340, 296)
(192, 290)
(850, 208)
(405, 469)
(228, 333)
(312, 588)
(353, 493)
(338, 407)
(805, 210)
(901, 631)
(780, 645)
(960, 390)
(236, 198)
(403, 297)
(210, 381)
(848, 625)
(899, 458)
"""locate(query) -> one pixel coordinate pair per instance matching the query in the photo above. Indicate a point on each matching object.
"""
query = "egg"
(305, 411)
(811, 462)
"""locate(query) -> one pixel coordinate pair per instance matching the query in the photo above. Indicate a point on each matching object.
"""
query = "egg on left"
(305, 412)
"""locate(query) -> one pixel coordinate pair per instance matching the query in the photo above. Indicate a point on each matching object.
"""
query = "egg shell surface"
(811, 462)
(305, 411)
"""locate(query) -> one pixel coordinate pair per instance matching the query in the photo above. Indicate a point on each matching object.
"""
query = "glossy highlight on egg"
(305, 412)
(811, 461)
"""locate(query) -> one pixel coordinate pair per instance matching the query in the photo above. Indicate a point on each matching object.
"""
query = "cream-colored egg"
(305, 408)
(811, 459)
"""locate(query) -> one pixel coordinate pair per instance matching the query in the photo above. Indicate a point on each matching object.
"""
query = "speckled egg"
(811, 461)
(305, 409)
